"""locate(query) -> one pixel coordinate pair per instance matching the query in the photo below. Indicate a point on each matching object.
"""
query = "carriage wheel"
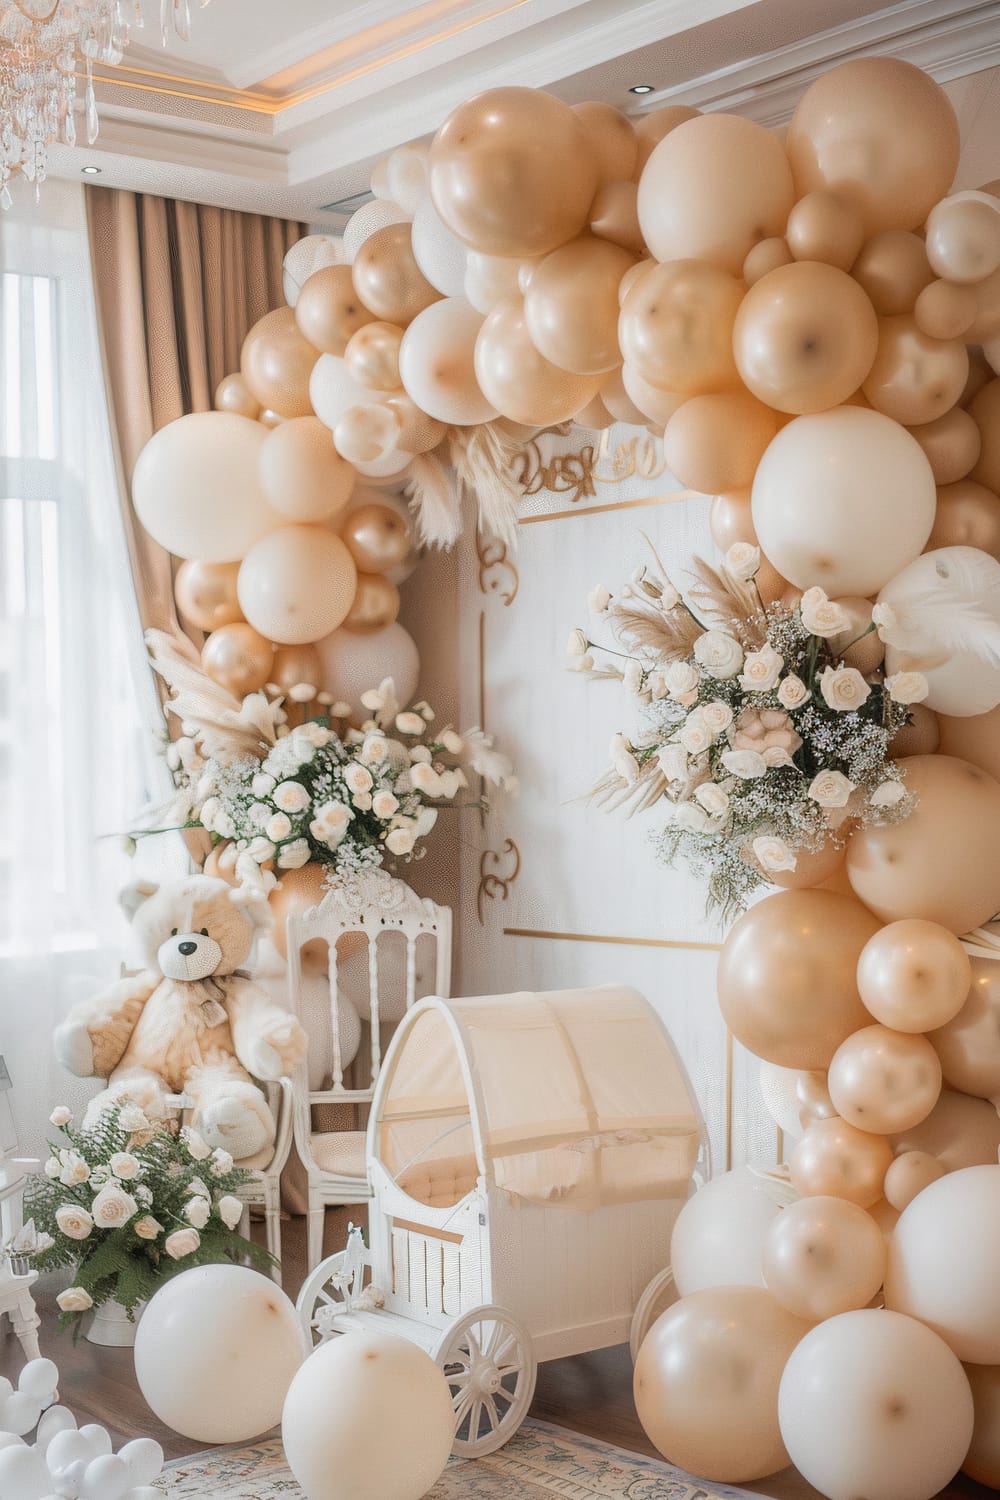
(660, 1294)
(490, 1367)
(321, 1299)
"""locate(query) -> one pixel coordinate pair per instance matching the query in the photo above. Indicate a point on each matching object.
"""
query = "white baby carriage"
(528, 1156)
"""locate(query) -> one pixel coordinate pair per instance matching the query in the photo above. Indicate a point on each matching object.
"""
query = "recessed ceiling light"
(641, 88)
(91, 171)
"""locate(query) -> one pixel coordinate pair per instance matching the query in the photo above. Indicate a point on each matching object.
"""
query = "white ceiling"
(283, 107)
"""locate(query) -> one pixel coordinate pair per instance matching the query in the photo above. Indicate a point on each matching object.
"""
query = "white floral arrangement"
(764, 740)
(128, 1202)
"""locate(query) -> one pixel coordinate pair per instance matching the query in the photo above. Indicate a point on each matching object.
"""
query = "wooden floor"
(591, 1393)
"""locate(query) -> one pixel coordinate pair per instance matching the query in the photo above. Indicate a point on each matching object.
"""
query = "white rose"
(209, 810)
(224, 826)
(577, 643)
(776, 755)
(197, 1189)
(888, 794)
(113, 1207)
(291, 797)
(75, 1299)
(182, 1242)
(695, 734)
(907, 687)
(222, 1162)
(426, 818)
(313, 734)
(374, 749)
(673, 762)
(52, 1168)
(451, 783)
(426, 779)
(147, 1228)
(747, 764)
(712, 798)
(75, 1222)
(358, 778)
(719, 654)
(883, 618)
(792, 691)
(452, 742)
(230, 1210)
(409, 723)
(73, 1169)
(362, 801)
(761, 669)
(681, 678)
(384, 804)
(843, 688)
(632, 678)
(294, 855)
(260, 850)
(198, 1211)
(773, 854)
(822, 616)
(262, 785)
(717, 716)
(125, 1166)
(830, 789)
(692, 818)
(259, 814)
(743, 561)
(196, 1146)
(622, 759)
(400, 840)
(278, 827)
(60, 1116)
(420, 753)
(133, 1119)
(598, 599)
(657, 685)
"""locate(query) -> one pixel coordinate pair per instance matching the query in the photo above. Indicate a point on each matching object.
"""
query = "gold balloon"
(767, 255)
(985, 411)
(206, 594)
(914, 378)
(945, 311)
(823, 1256)
(301, 473)
(879, 132)
(372, 356)
(276, 363)
(786, 979)
(376, 604)
(942, 862)
(826, 227)
(387, 278)
(893, 269)
(960, 1131)
(512, 172)
(969, 1043)
(329, 311)
(975, 739)
(951, 445)
(884, 1081)
(237, 658)
(730, 520)
(611, 140)
(614, 216)
(714, 443)
(908, 1175)
(676, 327)
(982, 1462)
(835, 1159)
(650, 130)
(571, 305)
(805, 337)
(968, 515)
(418, 433)
(296, 892)
(233, 394)
(519, 381)
(295, 669)
(377, 537)
(920, 735)
(914, 975)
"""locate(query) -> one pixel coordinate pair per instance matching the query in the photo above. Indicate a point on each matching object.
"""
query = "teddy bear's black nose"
(187, 949)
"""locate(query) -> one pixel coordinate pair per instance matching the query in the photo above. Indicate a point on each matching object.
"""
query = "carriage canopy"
(571, 1097)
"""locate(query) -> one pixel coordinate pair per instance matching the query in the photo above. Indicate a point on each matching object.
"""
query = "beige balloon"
(786, 976)
(655, 405)
(377, 537)
(375, 606)
(968, 1043)
(295, 669)
(490, 279)
(611, 140)
(437, 363)
(881, 133)
(206, 594)
(823, 1256)
(982, 1462)
(571, 305)
(920, 735)
(301, 473)
(812, 867)
(805, 337)
(512, 172)
(594, 417)
(296, 892)
(519, 381)
(827, 227)
(960, 1131)
(296, 584)
(362, 434)
(614, 216)
(329, 311)
(238, 659)
(651, 129)
(985, 411)
(951, 444)
(884, 1081)
(893, 269)
(766, 256)
(968, 515)
(945, 311)
(914, 975)
(813, 1097)
(706, 1382)
(730, 520)
(835, 1159)
(388, 280)
(676, 327)
(712, 188)
(914, 378)
(942, 862)
(859, 645)
(987, 321)
(372, 356)
(975, 739)
(714, 443)
(276, 362)
(908, 1175)
(418, 433)
(963, 238)
(233, 394)
(618, 401)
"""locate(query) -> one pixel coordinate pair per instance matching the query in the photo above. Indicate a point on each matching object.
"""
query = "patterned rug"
(541, 1461)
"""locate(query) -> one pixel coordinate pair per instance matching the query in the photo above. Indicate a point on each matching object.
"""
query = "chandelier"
(43, 45)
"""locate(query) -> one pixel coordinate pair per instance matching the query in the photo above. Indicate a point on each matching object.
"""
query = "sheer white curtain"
(78, 715)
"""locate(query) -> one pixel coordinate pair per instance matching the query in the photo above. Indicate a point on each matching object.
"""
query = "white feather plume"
(489, 762)
(435, 501)
(958, 609)
(223, 727)
(483, 458)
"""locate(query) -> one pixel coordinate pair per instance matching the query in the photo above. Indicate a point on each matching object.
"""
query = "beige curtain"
(178, 286)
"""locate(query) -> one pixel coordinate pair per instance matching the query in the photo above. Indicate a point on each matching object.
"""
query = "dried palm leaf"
(435, 501)
(613, 791)
(220, 724)
(483, 460)
(727, 601)
(668, 635)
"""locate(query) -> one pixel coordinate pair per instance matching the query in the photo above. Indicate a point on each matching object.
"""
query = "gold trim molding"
(497, 574)
(494, 885)
(599, 937)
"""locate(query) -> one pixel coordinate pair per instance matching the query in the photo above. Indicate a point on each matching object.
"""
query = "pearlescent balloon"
(328, 310)
(296, 585)
(963, 237)
(206, 594)
(823, 1256)
(387, 278)
(233, 394)
(968, 1044)
(909, 1174)
(333, 389)
(571, 305)
(377, 536)
(676, 327)
(884, 1081)
(914, 975)
(237, 658)
(437, 364)
(836, 1159)
(406, 176)
(366, 433)
(372, 356)
(301, 473)
(960, 1131)
(368, 220)
(276, 362)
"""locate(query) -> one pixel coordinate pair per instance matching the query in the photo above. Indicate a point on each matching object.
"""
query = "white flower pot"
(111, 1325)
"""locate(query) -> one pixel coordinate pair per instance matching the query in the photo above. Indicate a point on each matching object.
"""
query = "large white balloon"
(437, 363)
(333, 390)
(313, 253)
(440, 254)
(873, 1403)
(353, 663)
(368, 220)
(843, 499)
(195, 487)
(406, 176)
(718, 1239)
(216, 1351)
(946, 624)
(943, 1259)
(370, 1416)
(779, 1091)
(297, 584)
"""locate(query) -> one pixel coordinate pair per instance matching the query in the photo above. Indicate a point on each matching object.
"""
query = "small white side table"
(15, 1291)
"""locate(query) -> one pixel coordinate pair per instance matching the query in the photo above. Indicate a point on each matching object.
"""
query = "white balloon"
(489, 279)
(352, 664)
(873, 1403)
(368, 1415)
(312, 253)
(56, 1419)
(946, 624)
(216, 1351)
(333, 390)
(143, 1458)
(406, 174)
(23, 1474)
(437, 363)
(778, 1091)
(21, 1412)
(392, 466)
(368, 220)
(39, 1378)
(718, 1239)
(11, 1440)
(843, 499)
(195, 487)
(98, 1437)
(440, 254)
(939, 239)
(106, 1478)
(68, 1448)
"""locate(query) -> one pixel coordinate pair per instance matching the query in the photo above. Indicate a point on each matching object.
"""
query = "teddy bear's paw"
(264, 1060)
(74, 1049)
(231, 1125)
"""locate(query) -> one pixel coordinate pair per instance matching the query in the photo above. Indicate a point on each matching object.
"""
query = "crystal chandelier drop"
(44, 44)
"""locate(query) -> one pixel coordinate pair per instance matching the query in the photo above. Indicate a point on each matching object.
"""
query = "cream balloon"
(814, 1097)
(714, 443)
(354, 664)
(233, 394)
(441, 255)
(766, 256)
(914, 975)
(437, 364)
(369, 1415)
(490, 279)
(237, 1338)
(718, 1237)
(372, 356)
(519, 381)
(312, 253)
(824, 226)
(975, 738)
(406, 172)
(968, 1044)
(915, 379)
(676, 327)
(390, 472)
(944, 310)
(366, 433)
(982, 1462)
(206, 594)
(276, 361)
(823, 1256)
(909, 1174)
(968, 515)
(329, 311)
(302, 475)
(871, 501)
(778, 1092)
(614, 216)
(368, 220)
(835, 1159)
(296, 585)
(611, 140)
(571, 305)
(873, 1403)
(651, 129)
(960, 1131)
(951, 445)
(963, 237)
(618, 401)
(884, 1081)
(655, 405)
(893, 269)
(196, 490)
(333, 389)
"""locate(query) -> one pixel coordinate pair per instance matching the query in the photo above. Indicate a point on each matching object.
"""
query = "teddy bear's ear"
(132, 897)
(254, 905)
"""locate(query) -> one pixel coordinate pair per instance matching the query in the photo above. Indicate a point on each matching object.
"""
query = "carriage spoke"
(507, 1395)
(460, 1404)
(489, 1406)
(477, 1409)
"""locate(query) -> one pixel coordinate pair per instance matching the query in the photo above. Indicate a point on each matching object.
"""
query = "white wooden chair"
(380, 909)
(15, 1291)
(264, 1188)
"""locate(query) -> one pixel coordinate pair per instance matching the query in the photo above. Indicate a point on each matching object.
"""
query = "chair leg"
(317, 1219)
(272, 1218)
(26, 1324)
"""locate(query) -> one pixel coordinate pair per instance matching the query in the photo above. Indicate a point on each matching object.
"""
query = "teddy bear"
(191, 1021)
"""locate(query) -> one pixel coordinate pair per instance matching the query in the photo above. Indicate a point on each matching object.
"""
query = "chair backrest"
(381, 910)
